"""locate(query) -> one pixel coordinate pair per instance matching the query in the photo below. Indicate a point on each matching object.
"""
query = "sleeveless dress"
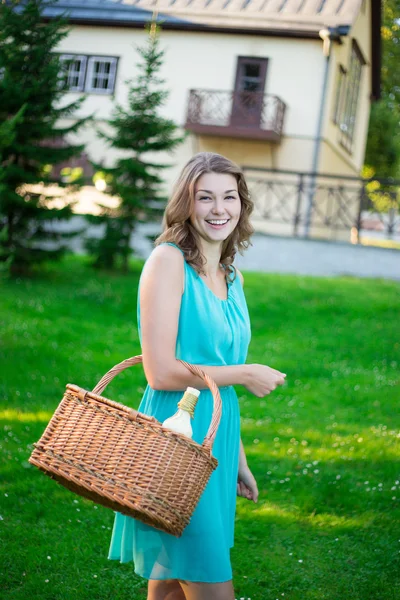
(215, 332)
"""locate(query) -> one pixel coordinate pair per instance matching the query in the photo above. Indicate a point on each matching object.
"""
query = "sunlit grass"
(324, 448)
(26, 417)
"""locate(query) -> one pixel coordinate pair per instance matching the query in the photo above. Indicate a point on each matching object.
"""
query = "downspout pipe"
(327, 35)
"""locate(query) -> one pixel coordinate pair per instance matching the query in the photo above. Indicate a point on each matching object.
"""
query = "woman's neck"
(212, 254)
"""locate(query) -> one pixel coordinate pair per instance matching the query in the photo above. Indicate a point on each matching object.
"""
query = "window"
(348, 110)
(73, 69)
(92, 74)
(101, 74)
(339, 96)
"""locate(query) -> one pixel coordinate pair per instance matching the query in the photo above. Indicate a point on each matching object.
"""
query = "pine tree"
(136, 130)
(31, 94)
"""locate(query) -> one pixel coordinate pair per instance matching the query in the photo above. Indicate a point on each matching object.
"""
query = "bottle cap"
(193, 391)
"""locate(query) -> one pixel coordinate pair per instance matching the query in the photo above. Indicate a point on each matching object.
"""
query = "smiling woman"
(192, 307)
(211, 195)
(220, 209)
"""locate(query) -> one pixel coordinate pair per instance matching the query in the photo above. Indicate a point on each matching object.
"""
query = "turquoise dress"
(211, 332)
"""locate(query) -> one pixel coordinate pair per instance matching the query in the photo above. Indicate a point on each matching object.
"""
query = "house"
(280, 86)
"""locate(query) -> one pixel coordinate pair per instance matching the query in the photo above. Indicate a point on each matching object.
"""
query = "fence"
(324, 206)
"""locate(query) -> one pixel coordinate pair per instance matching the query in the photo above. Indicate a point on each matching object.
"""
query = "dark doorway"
(248, 97)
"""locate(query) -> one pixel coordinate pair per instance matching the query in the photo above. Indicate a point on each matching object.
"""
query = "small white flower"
(49, 558)
(94, 575)
(76, 501)
(46, 581)
(300, 560)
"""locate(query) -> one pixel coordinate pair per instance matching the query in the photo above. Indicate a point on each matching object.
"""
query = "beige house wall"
(334, 157)
(208, 60)
(295, 72)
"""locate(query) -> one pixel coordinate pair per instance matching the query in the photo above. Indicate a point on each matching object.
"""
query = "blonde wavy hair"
(176, 223)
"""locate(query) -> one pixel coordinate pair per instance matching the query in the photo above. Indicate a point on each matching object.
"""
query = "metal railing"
(324, 206)
(236, 110)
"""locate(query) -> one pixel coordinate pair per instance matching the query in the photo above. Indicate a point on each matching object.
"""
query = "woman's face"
(217, 206)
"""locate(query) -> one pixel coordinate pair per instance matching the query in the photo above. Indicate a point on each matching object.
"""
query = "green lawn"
(324, 448)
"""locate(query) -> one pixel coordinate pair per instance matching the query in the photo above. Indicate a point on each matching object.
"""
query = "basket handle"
(134, 360)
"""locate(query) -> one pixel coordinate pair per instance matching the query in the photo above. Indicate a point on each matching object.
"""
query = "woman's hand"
(261, 380)
(247, 485)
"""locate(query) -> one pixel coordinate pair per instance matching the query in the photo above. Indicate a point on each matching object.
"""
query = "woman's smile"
(217, 223)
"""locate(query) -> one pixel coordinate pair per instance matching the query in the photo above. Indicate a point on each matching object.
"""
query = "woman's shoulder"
(166, 252)
(164, 265)
(239, 274)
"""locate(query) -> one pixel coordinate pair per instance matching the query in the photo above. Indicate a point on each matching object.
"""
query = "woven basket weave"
(126, 460)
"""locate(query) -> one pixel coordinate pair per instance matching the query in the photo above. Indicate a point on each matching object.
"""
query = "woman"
(192, 306)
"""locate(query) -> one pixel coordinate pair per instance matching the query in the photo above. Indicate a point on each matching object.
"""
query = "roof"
(107, 11)
(286, 18)
(307, 15)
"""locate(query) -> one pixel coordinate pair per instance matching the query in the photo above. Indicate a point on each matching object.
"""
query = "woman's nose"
(218, 207)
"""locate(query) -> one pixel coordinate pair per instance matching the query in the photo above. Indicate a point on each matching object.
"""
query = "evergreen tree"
(383, 145)
(136, 130)
(31, 94)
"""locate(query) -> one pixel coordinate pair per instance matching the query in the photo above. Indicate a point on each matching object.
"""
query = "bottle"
(180, 421)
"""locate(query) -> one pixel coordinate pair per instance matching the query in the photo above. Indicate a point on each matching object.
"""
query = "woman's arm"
(242, 457)
(161, 291)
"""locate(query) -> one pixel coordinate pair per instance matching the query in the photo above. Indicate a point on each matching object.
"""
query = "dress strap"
(174, 245)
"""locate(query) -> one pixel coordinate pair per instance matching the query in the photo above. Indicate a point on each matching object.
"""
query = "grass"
(324, 448)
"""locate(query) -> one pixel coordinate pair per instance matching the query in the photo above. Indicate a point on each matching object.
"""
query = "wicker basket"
(126, 460)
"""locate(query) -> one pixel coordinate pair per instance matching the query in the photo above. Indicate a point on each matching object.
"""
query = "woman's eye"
(230, 197)
(205, 198)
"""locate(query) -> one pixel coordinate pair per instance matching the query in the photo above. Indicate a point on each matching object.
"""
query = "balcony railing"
(252, 115)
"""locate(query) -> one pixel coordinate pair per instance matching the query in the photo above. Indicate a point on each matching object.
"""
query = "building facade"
(282, 85)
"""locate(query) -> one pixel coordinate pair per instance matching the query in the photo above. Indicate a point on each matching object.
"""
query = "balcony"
(251, 115)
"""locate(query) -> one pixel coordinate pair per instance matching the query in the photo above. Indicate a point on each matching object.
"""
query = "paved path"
(273, 254)
(314, 257)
